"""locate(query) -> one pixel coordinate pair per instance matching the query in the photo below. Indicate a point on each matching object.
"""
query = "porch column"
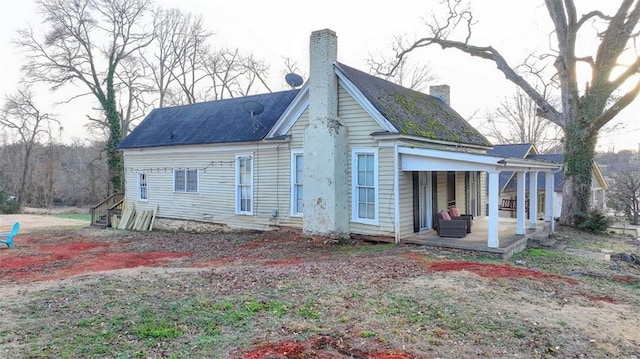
(520, 197)
(533, 199)
(493, 202)
(548, 196)
(550, 199)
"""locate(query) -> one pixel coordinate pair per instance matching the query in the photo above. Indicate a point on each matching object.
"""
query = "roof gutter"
(398, 136)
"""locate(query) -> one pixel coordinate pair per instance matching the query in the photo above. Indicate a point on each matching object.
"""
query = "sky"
(278, 29)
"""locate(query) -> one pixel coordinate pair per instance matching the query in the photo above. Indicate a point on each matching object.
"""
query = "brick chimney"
(325, 176)
(442, 92)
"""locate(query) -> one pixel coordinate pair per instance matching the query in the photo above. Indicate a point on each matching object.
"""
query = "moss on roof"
(414, 113)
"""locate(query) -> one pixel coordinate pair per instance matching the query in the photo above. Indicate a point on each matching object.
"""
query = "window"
(185, 180)
(365, 186)
(244, 184)
(142, 187)
(296, 184)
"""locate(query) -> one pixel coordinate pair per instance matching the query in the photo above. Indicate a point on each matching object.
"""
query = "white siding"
(215, 200)
(360, 126)
(406, 204)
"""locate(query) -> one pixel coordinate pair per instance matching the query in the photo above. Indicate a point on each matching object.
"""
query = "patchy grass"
(595, 243)
(242, 296)
(79, 216)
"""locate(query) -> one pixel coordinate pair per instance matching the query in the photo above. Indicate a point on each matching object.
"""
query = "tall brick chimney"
(325, 155)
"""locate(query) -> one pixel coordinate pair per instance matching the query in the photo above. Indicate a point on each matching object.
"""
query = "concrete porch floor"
(476, 241)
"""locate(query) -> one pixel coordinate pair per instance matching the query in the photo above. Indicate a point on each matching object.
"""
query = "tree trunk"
(24, 178)
(114, 157)
(579, 151)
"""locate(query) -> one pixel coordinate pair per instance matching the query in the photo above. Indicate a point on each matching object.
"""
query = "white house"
(346, 154)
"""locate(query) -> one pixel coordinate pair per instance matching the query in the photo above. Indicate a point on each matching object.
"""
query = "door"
(473, 193)
(425, 196)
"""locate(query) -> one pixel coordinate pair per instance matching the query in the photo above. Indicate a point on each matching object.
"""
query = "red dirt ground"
(318, 347)
(53, 262)
(488, 270)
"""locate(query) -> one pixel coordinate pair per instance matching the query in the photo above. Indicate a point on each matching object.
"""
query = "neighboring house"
(508, 180)
(346, 154)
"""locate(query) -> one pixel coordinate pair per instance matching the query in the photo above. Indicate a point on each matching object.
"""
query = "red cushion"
(453, 211)
(445, 215)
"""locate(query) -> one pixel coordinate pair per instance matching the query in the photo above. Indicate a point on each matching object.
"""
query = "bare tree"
(515, 120)
(582, 111)
(624, 194)
(178, 54)
(222, 72)
(254, 73)
(233, 74)
(414, 77)
(131, 88)
(21, 116)
(86, 42)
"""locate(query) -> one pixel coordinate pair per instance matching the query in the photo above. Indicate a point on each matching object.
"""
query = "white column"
(550, 181)
(520, 197)
(396, 191)
(533, 199)
(494, 197)
(548, 197)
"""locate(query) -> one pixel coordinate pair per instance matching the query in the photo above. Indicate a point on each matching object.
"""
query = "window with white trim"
(244, 184)
(143, 193)
(185, 180)
(296, 184)
(365, 186)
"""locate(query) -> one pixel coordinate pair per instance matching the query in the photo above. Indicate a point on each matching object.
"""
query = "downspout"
(396, 192)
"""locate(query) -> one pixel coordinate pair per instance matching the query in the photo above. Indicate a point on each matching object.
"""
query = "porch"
(476, 241)
(502, 237)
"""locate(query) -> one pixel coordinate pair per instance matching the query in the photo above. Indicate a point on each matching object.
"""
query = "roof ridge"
(230, 99)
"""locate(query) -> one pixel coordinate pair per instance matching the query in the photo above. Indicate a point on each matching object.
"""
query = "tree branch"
(618, 106)
(546, 110)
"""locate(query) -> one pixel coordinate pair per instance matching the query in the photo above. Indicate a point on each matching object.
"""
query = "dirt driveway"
(33, 222)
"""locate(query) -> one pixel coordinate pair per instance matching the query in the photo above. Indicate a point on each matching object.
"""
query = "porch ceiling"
(421, 159)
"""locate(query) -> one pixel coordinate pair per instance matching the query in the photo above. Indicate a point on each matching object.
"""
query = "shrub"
(594, 221)
(8, 204)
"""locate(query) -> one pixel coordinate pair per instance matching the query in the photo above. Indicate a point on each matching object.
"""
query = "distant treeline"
(57, 174)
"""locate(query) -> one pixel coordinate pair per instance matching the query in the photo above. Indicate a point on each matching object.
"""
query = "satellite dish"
(254, 108)
(294, 80)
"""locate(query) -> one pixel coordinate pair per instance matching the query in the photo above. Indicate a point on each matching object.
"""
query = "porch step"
(548, 242)
(100, 224)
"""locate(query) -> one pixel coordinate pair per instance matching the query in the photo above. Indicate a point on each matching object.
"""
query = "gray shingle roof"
(412, 112)
(558, 177)
(222, 121)
(226, 121)
(519, 150)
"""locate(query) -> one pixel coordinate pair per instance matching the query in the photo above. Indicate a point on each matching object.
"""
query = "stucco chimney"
(325, 145)
(442, 92)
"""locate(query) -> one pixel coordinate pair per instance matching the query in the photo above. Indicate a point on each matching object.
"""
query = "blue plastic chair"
(9, 236)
